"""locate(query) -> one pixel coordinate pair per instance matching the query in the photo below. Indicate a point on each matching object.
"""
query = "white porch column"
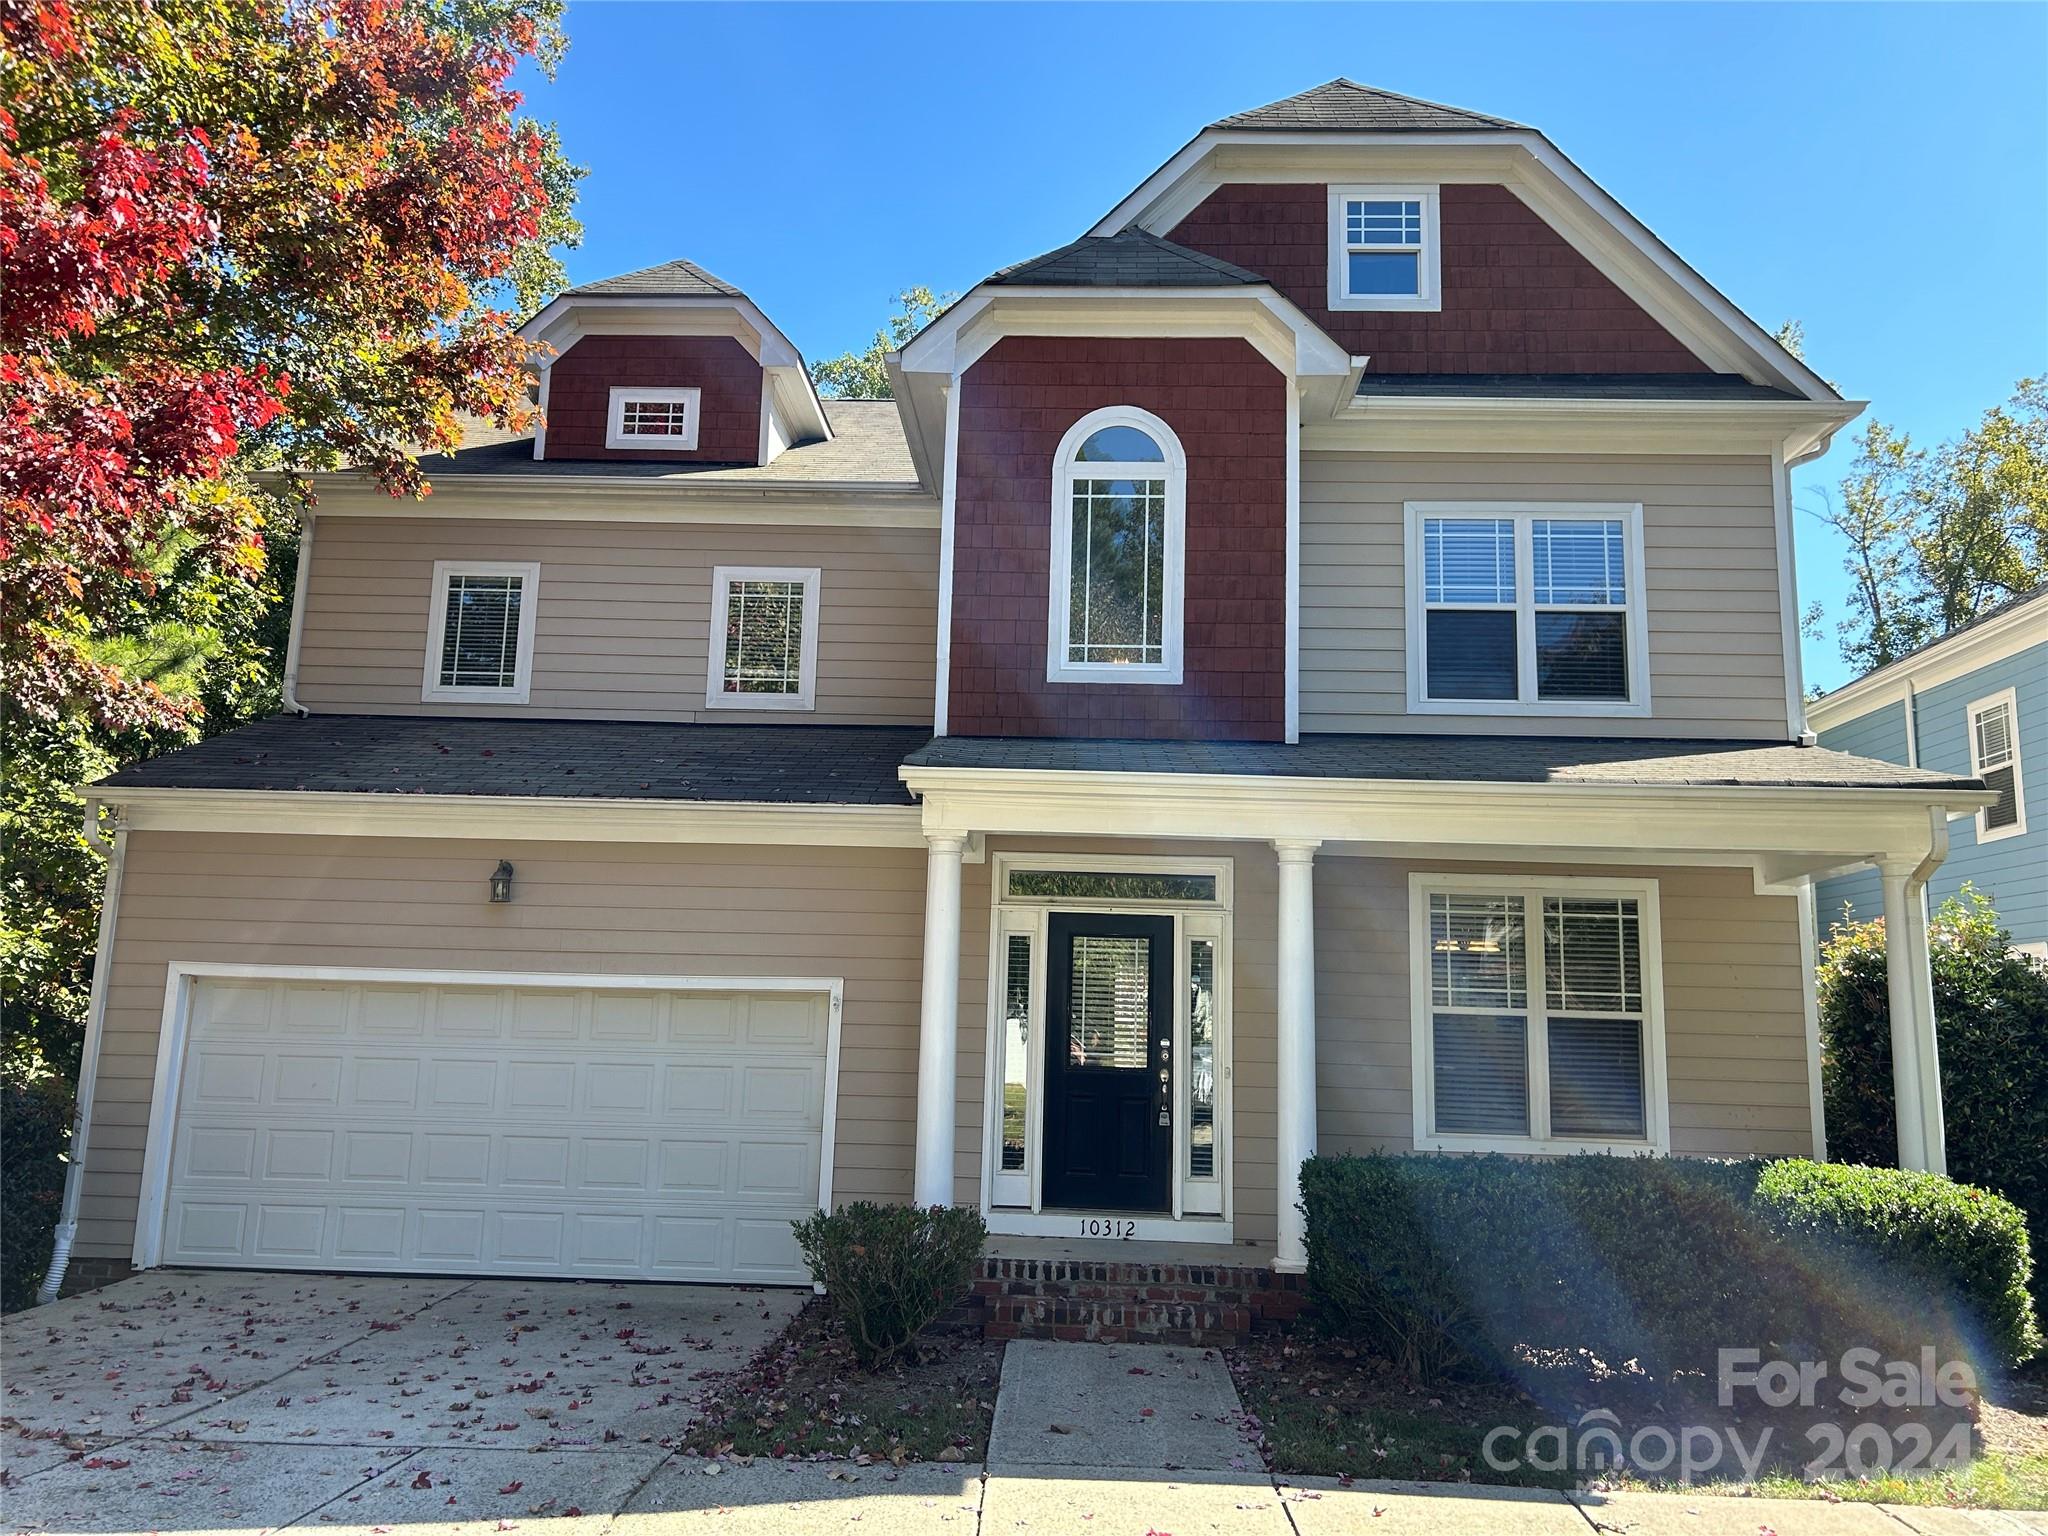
(1296, 1136)
(938, 1023)
(1909, 977)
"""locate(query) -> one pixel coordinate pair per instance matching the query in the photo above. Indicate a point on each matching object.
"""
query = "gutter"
(116, 851)
(290, 688)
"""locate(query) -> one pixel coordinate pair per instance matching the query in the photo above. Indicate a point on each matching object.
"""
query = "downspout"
(290, 688)
(1912, 706)
(116, 851)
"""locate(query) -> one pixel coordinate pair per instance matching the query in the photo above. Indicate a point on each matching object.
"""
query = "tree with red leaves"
(240, 236)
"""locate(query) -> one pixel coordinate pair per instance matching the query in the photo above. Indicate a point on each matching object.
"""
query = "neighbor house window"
(480, 632)
(1537, 1021)
(643, 416)
(1383, 248)
(1118, 519)
(1995, 758)
(1526, 610)
(764, 638)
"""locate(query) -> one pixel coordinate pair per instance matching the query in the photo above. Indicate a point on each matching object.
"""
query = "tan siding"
(1734, 1009)
(419, 904)
(1710, 561)
(624, 615)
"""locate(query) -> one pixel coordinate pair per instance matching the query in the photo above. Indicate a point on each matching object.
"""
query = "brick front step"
(1114, 1301)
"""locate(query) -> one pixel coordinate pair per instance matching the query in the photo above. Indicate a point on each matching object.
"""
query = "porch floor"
(1118, 1250)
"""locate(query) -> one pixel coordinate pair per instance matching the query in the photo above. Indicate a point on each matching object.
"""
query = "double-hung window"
(480, 632)
(1537, 1020)
(763, 651)
(647, 416)
(1384, 248)
(1995, 758)
(1118, 527)
(1526, 609)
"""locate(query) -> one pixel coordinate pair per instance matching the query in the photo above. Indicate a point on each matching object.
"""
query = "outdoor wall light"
(501, 881)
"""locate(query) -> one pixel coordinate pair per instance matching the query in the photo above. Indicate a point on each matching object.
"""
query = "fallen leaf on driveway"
(423, 1481)
(512, 1487)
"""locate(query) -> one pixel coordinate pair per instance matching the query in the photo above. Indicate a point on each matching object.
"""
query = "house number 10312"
(1108, 1226)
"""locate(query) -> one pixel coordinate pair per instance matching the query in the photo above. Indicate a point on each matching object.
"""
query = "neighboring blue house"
(1974, 701)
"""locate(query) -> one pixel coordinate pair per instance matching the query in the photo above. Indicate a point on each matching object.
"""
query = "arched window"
(1119, 514)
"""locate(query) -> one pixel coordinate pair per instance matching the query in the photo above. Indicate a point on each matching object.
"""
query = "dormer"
(669, 365)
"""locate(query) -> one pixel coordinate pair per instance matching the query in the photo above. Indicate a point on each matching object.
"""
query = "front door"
(1108, 1062)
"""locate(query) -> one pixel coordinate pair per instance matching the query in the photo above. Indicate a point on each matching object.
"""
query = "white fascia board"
(1446, 423)
(1570, 201)
(1833, 823)
(2018, 629)
(604, 499)
(527, 818)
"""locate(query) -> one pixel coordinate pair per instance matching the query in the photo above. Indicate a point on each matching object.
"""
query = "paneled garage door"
(484, 1129)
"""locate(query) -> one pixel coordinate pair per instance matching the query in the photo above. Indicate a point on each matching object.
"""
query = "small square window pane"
(1579, 561)
(1476, 957)
(1384, 272)
(1581, 656)
(1596, 1078)
(1468, 559)
(1481, 1075)
(1470, 653)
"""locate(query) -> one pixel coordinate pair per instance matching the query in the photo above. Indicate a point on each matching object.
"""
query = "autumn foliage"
(239, 236)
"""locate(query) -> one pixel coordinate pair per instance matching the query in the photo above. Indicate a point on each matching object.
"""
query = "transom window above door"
(480, 632)
(1118, 531)
(1526, 609)
(764, 638)
(1384, 248)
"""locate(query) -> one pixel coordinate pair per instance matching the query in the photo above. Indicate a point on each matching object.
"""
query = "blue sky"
(1876, 172)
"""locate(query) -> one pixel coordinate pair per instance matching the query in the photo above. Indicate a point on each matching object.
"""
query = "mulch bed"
(804, 1398)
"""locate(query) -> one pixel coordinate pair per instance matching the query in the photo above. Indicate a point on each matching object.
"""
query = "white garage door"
(499, 1130)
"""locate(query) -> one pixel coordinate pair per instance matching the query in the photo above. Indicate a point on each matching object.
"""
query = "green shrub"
(1919, 1235)
(35, 1128)
(1991, 1012)
(888, 1270)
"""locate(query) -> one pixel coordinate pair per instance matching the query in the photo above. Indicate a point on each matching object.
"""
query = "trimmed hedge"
(35, 1129)
(1464, 1267)
(888, 1270)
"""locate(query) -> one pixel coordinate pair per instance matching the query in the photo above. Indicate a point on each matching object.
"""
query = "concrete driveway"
(207, 1400)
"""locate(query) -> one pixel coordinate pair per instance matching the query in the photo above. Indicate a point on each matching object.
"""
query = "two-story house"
(1975, 701)
(1309, 664)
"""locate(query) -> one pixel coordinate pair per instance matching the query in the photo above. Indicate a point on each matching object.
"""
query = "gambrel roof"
(670, 280)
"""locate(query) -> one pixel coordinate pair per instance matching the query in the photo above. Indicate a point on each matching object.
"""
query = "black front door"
(1108, 1044)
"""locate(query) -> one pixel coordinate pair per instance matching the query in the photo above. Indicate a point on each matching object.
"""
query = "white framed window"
(1119, 524)
(1537, 1013)
(1995, 758)
(645, 416)
(480, 632)
(1526, 608)
(764, 638)
(1384, 248)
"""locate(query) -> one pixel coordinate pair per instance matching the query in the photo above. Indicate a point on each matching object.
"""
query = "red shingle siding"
(579, 394)
(1228, 406)
(1516, 297)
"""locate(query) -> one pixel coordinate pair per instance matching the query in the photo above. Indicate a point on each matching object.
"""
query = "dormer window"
(1119, 512)
(1384, 248)
(646, 417)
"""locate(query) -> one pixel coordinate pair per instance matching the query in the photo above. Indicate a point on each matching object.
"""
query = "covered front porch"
(1157, 977)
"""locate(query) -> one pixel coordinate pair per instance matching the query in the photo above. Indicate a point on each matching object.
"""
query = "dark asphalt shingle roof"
(1569, 386)
(1131, 258)
(1452, 759)
(581, 759)
(1345, 106)
(670, 280)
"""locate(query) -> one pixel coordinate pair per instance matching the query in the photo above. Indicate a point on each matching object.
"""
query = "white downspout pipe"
(116, 851)
(290, 687)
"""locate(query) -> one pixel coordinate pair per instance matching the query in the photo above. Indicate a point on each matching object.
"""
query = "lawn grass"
(804, 1397)
(1995, 1480)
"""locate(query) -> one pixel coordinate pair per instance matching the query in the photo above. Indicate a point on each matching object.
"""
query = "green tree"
(865, 375)
(1938, 535)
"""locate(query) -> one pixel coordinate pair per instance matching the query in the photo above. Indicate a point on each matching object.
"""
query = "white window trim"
(431, 688)
(1430, 264)
(615, 435)
(1202, 1211)
(1656, 1086)
(1524, 513)
(2009, 697)
(1174, 583)
(722, 578)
